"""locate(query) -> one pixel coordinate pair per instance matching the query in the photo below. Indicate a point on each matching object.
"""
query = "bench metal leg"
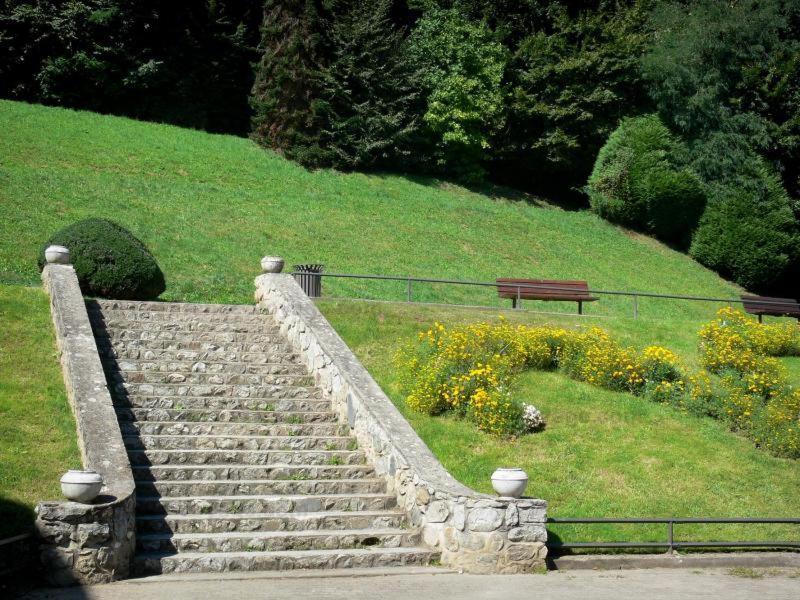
(760, 318)
(513, 303)
(580, 307)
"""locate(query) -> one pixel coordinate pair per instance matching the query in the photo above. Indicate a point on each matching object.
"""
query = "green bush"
(637, 181)
(748, 232)
(109, 261)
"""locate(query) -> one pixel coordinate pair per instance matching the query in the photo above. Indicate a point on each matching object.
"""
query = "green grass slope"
(210, 206)
(37, 430)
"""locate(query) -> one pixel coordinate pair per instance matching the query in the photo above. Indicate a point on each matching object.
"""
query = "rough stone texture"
(238, 460)
(86, 543)
(473, 531)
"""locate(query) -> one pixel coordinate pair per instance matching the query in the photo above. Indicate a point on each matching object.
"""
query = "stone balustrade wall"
(86, 543)
(474, 532)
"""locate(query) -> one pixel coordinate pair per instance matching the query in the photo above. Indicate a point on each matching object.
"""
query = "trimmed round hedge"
(749, 233)
(109, 260)
(637, 182)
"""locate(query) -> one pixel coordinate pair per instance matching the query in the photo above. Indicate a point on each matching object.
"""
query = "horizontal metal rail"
(671, 543)
(519, 287)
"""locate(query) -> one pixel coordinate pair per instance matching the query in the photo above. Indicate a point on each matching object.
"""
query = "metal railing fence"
(634, 295)
(670, 543)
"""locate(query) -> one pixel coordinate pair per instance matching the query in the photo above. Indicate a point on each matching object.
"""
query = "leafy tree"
(748, 232)
(289, 78)
(571, 82)
(730, 68)
(462, 69)
(724, 75)
(187, 63)
(638, 181)
(369, 104)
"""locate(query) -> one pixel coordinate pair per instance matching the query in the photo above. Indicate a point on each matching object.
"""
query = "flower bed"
(470, 371)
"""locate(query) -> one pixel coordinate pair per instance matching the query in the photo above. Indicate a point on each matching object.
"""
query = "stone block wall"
(473, 531)
(86, 543)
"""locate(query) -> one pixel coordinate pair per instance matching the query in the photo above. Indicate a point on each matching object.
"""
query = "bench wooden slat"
(766, 305)
(545, 289)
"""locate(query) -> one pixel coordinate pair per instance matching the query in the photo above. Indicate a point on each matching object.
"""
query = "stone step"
(225, 403)
(206, 367)
(173, 307)
(125, 413)
(192, 428)
(243, 442)
(265, 335)
(215, 379)
(112, 327)
(272, 541)
(222, 522)
(276, 391)
(184, 505)
(274, 351)
(211, 562)
(145, 316)
(248, 457)
(260, 487)
(234, 472)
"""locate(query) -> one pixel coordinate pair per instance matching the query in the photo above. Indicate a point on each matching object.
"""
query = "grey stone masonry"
(86, 543)
(474, 532)
(238, 460)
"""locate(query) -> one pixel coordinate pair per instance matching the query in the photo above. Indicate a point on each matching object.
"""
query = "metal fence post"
(635, 306)
(408, 289)
(671, 537)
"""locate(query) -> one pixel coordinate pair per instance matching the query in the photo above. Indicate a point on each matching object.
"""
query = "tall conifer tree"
(289, 78)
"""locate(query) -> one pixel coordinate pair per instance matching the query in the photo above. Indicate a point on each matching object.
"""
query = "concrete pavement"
(436, 584)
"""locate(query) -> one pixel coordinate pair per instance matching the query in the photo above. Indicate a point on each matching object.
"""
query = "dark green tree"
(748, 232)
(724, 75)
(571, 81)
(289, 79)
(187, 63)
(639, 181)
(370, 108)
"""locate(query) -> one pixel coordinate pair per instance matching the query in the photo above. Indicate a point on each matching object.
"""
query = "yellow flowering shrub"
(753, 393)
(778, 426)
(470, 370)
(594, 357)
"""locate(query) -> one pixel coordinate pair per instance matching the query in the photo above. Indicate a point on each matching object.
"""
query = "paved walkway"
(648, 584)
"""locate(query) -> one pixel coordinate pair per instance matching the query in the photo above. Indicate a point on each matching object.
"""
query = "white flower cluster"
(532, 418)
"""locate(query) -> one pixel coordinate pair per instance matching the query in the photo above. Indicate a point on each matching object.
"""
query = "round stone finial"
(57, 255)
(272, 264)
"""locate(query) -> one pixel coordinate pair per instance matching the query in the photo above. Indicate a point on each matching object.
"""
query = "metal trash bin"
(309, 278)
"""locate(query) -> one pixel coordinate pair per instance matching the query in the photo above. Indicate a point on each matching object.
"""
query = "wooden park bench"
(776, 307)
(544, 289)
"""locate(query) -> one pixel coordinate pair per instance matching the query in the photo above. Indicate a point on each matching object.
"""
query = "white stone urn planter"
(272, 264)
(81, 486)
(509, 482)
(58, 255)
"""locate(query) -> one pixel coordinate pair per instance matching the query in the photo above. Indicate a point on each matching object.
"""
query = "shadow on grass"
(15, 518)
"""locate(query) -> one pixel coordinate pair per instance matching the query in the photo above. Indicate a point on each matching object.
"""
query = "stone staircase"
(239, 461)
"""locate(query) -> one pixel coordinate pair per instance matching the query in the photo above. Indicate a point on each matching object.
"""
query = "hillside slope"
(210, 206)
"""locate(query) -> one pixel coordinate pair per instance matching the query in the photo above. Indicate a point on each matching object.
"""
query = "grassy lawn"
(37, 430)
(209, 206)
(602, 454)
